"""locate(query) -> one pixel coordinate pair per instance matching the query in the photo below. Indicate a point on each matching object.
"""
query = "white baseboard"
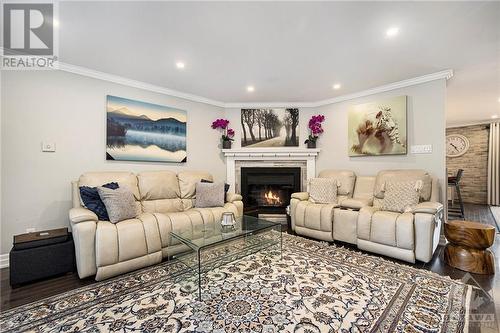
(4, 260)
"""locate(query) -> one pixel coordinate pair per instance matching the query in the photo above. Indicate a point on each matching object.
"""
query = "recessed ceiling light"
(495, 116)
(392, 31)
(336, 86)
(55, 23)
(250, 89)
(180, 65)
(498, 99)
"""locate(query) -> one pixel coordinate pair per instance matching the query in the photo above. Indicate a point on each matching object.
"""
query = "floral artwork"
(378, 128)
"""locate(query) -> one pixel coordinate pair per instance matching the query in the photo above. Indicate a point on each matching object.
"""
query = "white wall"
(69, 110)
(426, 125)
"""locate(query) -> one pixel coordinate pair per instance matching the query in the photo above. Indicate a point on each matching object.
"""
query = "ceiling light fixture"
(391, 32)
(250, 89)
(55, 23)
(180, 65)
(495, 116)
(336, 86)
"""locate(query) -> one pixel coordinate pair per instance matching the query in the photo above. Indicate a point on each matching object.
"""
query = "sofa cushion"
(177, 221)
(401, 175)
(154, 185)
(209, 195)
(400, 196)
(120, 203)
(188, 180)
(314, 216)
(345, 180)
(383, 228)
(213, 216)
(92, 201)
(93, 179)
(323, 190)
(356, 204)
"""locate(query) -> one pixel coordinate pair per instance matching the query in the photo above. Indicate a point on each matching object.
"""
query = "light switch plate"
(421, 149)
(48, 147)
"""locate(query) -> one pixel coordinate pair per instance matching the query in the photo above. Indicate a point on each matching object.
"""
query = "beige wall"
(426, 125)
(69, 110)
(474, 183)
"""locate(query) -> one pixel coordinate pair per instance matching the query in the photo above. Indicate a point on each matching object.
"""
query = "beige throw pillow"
(209, 195)
(120, 203)
(399, 196)
(323, 190)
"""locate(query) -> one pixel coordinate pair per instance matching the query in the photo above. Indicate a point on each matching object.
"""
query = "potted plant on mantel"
(315, 130)
(227, 133)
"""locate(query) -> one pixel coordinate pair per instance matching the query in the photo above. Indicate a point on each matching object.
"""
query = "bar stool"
(454, 183)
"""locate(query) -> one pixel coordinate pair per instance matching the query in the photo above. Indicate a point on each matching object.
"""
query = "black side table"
(40, 255)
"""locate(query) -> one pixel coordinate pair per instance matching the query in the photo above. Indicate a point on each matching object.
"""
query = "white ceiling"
(291, 51)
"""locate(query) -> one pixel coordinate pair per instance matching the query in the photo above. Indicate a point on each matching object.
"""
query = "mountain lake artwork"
(140, 131)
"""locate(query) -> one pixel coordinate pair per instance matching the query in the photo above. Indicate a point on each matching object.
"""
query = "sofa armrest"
(356, 204)
(80, 214)
(232, 197)
(428, 207)
(302, 196)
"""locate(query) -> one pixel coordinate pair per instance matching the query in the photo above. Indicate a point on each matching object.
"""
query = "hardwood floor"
(485, 312)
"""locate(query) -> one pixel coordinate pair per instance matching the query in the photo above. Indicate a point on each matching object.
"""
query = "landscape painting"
(140, 131)
(269, 127)
(378, 128)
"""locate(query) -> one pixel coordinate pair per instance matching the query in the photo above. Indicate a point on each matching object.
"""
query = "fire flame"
(272, 198)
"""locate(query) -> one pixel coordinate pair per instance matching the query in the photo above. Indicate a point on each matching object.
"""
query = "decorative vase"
(226, 144)
(311, 144)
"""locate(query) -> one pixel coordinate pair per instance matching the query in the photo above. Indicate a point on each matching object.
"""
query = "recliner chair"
(358, 218)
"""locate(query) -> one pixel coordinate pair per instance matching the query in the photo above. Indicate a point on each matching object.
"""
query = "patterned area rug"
(316, 287)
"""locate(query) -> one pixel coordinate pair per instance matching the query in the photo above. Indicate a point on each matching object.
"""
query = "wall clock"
(456, 145)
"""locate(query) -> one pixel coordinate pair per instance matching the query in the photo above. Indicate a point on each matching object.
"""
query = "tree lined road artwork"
(269, 127)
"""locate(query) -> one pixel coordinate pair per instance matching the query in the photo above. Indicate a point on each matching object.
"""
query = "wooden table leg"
(470, 260)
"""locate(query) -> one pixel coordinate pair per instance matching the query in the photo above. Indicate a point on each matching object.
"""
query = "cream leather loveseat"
(165, 202)
(357, 217)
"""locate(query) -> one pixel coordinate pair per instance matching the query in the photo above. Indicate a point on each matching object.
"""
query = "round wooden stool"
(468, 246)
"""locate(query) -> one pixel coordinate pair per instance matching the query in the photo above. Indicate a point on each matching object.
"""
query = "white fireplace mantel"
(269, 154)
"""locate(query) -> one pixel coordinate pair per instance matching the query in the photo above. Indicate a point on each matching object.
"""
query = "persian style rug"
(315, 287)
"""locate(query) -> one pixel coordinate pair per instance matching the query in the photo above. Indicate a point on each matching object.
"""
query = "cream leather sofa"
(357, 217)
(165, 202)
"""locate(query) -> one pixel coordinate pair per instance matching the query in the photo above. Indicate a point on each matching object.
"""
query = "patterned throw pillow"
(209, 195)
(400, 195)
(120, 203)
(226, 187)
(92, 201)
(323, 190)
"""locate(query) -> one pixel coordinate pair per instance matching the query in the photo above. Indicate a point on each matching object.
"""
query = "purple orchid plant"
(222, 125)
(315, 128)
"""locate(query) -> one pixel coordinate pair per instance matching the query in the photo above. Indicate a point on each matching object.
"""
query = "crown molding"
(83, 71)
(446, 74)
(134, 83)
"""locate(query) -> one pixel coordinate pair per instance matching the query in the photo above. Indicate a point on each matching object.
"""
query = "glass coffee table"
(209, 247)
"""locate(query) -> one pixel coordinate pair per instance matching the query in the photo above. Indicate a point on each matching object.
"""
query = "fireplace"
(267, 190)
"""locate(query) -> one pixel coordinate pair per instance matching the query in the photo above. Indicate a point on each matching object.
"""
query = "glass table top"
(202, 235)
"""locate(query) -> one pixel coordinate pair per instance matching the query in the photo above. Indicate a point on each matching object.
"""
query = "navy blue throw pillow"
(226, 187)
(93, 202)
